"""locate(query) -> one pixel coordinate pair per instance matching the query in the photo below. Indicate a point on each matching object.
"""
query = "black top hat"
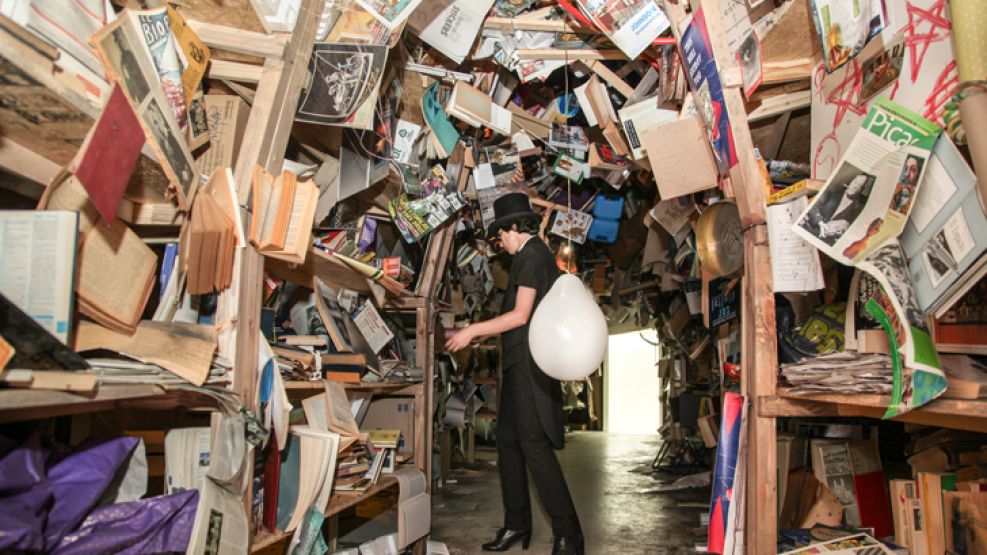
(510, 208)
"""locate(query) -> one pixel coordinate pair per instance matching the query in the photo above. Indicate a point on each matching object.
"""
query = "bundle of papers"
(843, 372)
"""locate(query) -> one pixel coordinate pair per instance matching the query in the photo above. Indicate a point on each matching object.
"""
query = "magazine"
(844, 28)
(946, 236)
(416, 218)
(450, 26)
(889, 298)
(632, 25)
(343, 83)
(571, 222)
(500, 173)
(865, 203)
(391, 13)
(570, 137)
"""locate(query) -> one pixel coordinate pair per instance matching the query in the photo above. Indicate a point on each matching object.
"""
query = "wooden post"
(759, 351)
(265, 141)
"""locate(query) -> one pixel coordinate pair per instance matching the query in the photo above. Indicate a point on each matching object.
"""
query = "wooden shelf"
(29, 404)
(376, 387)
(951, 413)
(338, 503)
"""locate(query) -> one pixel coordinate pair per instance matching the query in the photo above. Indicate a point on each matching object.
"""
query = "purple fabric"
(25, 495)
(156, 525)
(79, 480)
(368, 235)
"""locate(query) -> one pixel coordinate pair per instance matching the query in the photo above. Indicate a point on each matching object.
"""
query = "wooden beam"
(610, 77)
(235, 71)
(780, 104)
(509, 25)
(239, 40)
(571, 55)
(951, 413)
(264, 144)
(26, 163)
(787, 70)
(759, 350)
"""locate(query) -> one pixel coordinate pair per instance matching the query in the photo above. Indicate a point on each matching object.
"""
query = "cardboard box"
(680, 157)
(390, 413)
(227, 119)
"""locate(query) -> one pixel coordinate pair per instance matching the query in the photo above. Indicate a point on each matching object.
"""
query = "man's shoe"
(572, 545)
(507, 538)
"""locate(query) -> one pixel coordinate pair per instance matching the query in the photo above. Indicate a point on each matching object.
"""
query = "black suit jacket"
(533, 266)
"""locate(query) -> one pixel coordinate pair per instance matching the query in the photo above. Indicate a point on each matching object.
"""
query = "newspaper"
(631, 24)
(865, 203)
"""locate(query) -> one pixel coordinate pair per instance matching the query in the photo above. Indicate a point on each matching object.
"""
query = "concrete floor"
(611, 482)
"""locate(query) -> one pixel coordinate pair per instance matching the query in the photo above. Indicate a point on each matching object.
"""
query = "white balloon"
(568, 332)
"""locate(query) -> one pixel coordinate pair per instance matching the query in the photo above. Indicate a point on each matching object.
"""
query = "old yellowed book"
(184, 349)
(115, 275)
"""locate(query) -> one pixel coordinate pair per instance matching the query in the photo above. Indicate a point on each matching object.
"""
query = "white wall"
(631, 385)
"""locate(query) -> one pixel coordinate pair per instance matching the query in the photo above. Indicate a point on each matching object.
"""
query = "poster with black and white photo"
(343, 83)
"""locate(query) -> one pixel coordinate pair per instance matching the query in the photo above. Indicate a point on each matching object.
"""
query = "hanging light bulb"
(568, 333)
(565, 258)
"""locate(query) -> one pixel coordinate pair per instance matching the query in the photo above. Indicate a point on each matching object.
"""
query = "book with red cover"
(109, 154)
(272, 473)
(873, 500)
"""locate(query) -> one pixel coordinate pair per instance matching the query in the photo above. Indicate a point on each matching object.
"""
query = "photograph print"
(904, 189)
(342, 78)
(890, 261)
(170, 148)
(838, 205)
(121, 58)
(938, 257)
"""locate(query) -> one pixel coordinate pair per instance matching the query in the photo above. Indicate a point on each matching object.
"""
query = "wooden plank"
(787, 70)
(950, 413)
(26, 163)
(39, 111)
(32, 404)
(780, 104)
(611, 78)
(236, 71)
(239, 40)
(571, 55)
(238, 14)
(509, 25)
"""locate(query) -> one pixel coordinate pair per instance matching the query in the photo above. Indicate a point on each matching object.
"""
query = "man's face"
(911, 171)
(511, 240)
(856, 185)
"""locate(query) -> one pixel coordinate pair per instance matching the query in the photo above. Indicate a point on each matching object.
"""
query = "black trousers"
(521, 441)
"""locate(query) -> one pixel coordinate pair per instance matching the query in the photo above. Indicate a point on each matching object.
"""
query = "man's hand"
(460, 339)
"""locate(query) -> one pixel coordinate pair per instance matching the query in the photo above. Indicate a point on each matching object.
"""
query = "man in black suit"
(530, 419)
(832, 213)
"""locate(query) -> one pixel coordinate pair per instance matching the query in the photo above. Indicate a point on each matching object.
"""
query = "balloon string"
(568, 180)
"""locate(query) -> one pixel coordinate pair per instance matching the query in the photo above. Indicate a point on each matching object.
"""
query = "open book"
(284, 208)
(213, 235)
(115, 269)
